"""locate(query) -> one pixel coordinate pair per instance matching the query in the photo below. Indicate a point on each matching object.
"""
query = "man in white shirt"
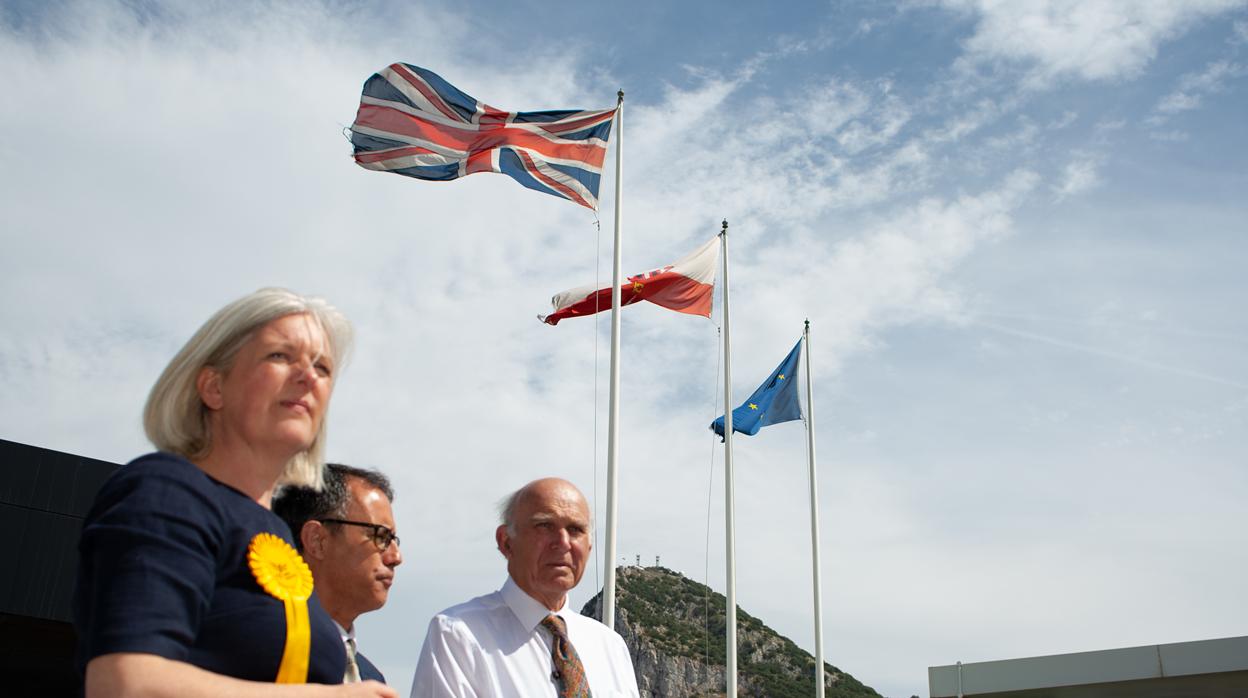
(506, 644)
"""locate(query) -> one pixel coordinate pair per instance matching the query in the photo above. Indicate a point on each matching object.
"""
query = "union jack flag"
(414, 123)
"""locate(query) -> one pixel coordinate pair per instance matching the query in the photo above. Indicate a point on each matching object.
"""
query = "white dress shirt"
(493, 646)
(348, 643)
(344, 633)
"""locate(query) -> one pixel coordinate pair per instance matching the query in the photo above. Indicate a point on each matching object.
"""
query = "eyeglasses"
(381, 535)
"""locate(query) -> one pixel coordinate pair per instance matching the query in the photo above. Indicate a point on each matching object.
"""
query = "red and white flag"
(685, 287)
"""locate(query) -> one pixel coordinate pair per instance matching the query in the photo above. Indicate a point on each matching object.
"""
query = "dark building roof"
(44, 496)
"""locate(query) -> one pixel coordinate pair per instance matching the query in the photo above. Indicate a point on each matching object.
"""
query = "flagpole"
(730, 526)
(613, 420)
(814, 516)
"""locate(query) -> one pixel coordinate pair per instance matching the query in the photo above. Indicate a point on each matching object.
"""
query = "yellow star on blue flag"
(774, 402)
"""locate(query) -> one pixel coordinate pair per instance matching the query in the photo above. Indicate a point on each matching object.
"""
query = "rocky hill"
(663, 617)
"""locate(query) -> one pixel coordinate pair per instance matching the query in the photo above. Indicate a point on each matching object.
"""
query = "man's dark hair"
(297, 505)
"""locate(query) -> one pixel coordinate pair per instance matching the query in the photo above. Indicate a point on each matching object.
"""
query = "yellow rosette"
(283, 574)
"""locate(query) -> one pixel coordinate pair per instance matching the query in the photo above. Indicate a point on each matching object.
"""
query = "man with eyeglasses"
(346, 533)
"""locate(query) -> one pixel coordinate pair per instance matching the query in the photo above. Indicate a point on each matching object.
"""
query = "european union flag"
(774, 402)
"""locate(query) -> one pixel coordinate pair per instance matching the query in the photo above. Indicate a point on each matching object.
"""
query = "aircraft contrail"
(1145, 363)
(1152, 328)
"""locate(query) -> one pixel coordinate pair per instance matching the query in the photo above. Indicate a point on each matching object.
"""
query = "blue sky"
(1018, 229)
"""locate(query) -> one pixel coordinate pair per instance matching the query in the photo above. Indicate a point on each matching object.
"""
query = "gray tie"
(353, 670)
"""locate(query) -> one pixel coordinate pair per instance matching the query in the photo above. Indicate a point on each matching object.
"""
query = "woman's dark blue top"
(163, 570)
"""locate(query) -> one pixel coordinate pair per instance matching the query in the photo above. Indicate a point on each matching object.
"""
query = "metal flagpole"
(730, 535)
(613, 419)
(814, 515)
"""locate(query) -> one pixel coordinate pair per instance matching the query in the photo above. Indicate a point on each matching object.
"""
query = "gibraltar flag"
(685, 287)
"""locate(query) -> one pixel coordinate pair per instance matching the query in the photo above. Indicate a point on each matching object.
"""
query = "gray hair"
(175, 419)
(507, 508)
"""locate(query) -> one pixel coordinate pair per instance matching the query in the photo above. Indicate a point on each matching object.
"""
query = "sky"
(1018, 230)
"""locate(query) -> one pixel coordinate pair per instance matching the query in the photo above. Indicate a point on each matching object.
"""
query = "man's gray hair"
(176, 419)
(507, 510)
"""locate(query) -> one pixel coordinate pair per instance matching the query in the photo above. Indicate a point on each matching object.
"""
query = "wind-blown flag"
(412, 122)
(774, 402)
(685, 287)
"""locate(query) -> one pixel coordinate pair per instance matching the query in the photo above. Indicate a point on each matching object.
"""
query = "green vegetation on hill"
(671, 613)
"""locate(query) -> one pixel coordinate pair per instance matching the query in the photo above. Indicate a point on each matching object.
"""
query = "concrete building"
(1205, 668)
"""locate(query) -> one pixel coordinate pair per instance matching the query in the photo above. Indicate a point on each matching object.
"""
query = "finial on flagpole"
(619, 97)
(724, 230)
(807, 325)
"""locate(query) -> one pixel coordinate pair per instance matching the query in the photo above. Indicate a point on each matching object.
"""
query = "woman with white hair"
(188, 584)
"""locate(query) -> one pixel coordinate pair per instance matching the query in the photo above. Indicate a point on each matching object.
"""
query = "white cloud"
(214, 168)
(1110, 126)
(1022, 138)
(207, 160)
(1068, 117)
(1212, 78)
(1170, 136)
(1079, 176)
(969, 119)
(1178, 101)
(1061, 39)
(856, 117)
(1194, 87)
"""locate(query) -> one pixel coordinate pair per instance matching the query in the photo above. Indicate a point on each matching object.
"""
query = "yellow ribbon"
(283, 574)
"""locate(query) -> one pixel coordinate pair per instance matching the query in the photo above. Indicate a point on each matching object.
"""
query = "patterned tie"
(353, 669)
(569, 674)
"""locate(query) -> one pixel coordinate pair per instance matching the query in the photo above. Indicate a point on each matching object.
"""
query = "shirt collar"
(528, 610)
(345, 634)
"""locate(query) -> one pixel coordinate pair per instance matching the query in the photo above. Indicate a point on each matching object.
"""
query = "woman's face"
(272, 399)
